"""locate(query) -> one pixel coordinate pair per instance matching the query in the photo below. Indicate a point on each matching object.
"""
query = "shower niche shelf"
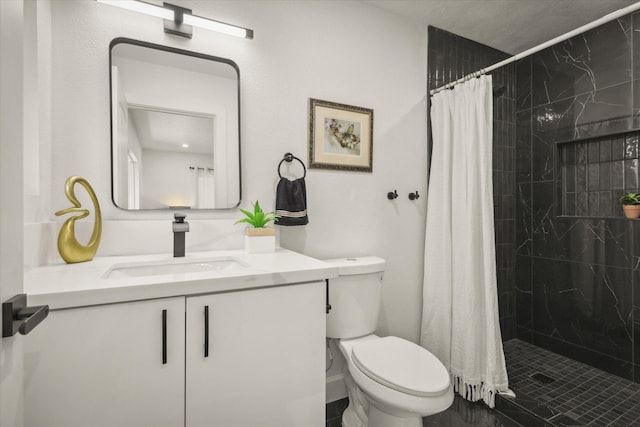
(595, 173)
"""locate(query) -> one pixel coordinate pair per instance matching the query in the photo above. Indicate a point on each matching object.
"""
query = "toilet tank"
(355, 297)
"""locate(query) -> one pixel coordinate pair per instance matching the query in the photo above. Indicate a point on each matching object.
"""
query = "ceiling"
(169, 130)
(511, 26)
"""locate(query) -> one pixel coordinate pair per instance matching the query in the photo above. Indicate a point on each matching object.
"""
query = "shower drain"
(540, 377)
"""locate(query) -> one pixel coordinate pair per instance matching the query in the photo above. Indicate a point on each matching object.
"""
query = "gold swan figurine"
(70, 249)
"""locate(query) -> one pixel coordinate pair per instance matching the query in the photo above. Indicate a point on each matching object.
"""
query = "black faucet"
(180, 226)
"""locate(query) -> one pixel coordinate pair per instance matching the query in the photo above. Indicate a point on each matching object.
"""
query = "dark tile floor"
(461, 413)
(562, 392)
(551, 391)
(334, 412)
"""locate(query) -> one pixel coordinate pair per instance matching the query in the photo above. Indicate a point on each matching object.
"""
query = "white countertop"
(75, 285)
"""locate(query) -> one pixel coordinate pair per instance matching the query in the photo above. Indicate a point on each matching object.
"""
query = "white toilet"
(390, 381)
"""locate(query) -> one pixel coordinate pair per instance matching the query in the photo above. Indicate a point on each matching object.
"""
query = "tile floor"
(551, 391)
(461, 414)
(562, 392)
(334, 412)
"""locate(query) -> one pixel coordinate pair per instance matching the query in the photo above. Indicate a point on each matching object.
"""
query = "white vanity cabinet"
(265, 361)
(103, 366)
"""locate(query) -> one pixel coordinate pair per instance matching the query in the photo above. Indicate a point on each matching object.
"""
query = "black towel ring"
(288, 157)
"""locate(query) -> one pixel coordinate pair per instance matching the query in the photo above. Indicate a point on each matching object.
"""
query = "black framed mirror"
(175, 128)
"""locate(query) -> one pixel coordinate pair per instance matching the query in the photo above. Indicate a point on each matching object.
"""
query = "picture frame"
(340, 136)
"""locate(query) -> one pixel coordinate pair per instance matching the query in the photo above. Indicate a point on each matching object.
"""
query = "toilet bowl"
(390, 381)
(401, 382)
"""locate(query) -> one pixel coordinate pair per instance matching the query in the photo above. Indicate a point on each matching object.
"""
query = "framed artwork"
(340, 136)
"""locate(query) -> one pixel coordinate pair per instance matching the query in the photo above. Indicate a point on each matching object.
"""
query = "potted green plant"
(631, 205)
(258, 237)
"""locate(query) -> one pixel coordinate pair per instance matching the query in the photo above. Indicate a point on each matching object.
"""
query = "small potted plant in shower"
(631, 205)
(258, 237)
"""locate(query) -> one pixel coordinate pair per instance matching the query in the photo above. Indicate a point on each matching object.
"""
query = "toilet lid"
(401, 365)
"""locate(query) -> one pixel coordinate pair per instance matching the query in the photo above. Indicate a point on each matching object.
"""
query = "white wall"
(167, 179)
(16, 104)
(347, 52)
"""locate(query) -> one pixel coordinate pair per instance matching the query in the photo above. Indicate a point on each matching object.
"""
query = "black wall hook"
(392, 195)
(414, 196)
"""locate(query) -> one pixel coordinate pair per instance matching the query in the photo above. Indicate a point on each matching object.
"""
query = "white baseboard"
(336, 389)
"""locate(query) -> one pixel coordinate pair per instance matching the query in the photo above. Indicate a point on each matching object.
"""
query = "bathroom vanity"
(216, 338)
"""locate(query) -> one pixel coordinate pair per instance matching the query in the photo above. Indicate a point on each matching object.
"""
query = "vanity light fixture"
(179, 21)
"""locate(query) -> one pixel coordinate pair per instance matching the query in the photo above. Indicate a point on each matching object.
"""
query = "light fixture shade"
(142, 7)
(180, 19)
(220, 27)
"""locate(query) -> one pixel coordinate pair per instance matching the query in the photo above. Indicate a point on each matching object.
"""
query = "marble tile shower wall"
(451, 57)
(577, 270)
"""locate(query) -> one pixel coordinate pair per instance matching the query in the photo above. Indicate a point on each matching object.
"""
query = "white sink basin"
(181, 266)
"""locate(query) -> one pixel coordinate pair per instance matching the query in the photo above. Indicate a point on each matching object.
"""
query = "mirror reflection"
(175, 128)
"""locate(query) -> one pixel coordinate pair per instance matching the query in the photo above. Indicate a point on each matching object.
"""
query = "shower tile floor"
(553, 390)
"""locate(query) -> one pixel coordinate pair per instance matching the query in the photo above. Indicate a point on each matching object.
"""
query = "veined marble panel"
(584, 304)
(591, 114)
(587, 63)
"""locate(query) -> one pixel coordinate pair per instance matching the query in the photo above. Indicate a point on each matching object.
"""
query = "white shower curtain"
(204, 186)
(460, 304)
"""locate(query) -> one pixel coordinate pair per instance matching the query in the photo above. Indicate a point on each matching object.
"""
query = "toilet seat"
(401, 365)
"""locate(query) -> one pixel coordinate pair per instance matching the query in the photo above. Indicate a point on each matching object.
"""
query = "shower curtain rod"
(610, 17)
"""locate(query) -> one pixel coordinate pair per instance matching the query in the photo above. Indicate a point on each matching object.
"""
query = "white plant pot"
(259, 240)
(259, 244)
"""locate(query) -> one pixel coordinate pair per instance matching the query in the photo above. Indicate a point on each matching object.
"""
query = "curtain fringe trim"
(475, 392)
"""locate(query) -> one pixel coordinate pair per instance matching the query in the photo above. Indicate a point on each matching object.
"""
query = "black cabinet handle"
(164, 337)
(327, 306)
(17, 317)
(206, 331)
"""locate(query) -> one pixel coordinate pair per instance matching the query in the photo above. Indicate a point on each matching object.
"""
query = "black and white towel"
(291, 202)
